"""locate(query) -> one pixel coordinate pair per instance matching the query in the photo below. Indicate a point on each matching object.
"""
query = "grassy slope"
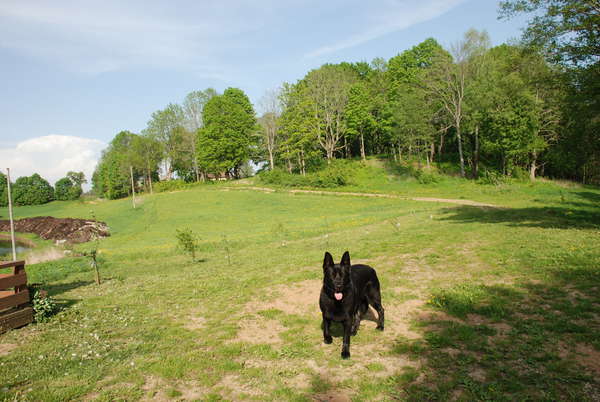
(505, 302)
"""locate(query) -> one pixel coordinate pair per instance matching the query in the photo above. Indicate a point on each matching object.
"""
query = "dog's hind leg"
(374, 297)
(362, 309)
(380, 315)
(326, 335)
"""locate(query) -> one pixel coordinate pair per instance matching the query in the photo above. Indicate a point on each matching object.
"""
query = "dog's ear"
(345, 260)
(328, 260)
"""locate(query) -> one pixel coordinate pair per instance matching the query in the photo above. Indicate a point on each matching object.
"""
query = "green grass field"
(481, 303)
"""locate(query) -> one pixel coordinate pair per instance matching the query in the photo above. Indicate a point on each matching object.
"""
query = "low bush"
(427, 176)
(170, 185)
(491, 177)
(44, 307)
(337, 173)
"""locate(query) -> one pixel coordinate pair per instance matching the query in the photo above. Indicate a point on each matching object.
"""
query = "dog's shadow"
(337, 329)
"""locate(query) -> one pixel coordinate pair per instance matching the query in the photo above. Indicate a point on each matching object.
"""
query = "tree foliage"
(32, 190)
(568, 30)
(229, 125)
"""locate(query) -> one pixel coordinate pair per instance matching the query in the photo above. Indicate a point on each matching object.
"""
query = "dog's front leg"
(326, 335)
(347, 332)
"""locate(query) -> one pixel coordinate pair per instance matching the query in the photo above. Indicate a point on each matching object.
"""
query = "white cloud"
(52, 156)
(382, 20)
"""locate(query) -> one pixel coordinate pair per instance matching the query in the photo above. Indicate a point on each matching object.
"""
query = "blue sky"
(74, 73)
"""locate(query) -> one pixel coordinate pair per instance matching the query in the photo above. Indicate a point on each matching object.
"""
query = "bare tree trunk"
(346, 148)
(475, 168)
(196, 169)
(441, 146)
(394, 153)
(533, 167)
(150, 182)
(271, 164)
(302, 164)
(362, 147)
(460, 150)
(132, 187)
(432, 151)
(289, 165)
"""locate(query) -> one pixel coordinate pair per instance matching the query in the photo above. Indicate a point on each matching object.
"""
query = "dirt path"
(374, 195)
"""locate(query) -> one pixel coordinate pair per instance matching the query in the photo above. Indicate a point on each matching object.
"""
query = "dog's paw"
(345, 354)
(380, 327)
(328, 340)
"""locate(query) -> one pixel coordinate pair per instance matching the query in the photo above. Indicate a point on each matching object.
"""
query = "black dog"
(345, 296)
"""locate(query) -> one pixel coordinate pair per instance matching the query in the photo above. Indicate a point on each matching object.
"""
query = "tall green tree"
(414, 110)
(359, 114)
(147, 154)
(450, 76)
(270, 123)
(111, 177)
(69, 187)
(327, 90)
(229, 126)
(193, 108)
(166, 126)
(298, 128)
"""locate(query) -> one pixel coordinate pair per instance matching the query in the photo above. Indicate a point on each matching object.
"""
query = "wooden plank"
(10, 281)
(9, 298)
(16, 319)
(8, 264)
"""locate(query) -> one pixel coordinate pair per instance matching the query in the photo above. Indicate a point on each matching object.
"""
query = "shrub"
(491, 177)
(519, 174)
(427, 177)
(32, 190)
(338, 173)
(187, 241)
(280, 177)
(44, 307)
(170, 185)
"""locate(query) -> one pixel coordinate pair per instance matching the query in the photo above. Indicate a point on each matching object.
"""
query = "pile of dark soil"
(63, 229)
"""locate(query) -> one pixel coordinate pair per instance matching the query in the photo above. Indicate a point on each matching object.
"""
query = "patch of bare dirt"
(6, 348)
(477, 374)
(260, 330)
(233, 387)
(588, 357)
(68, 229)
(195, 322)
(398, 317)
(298, 298)
(453, 201)
(332, 396)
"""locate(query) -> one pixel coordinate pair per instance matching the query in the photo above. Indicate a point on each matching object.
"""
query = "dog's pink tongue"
(338, 296)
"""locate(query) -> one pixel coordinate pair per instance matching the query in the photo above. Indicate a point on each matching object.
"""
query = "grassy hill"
(481, 302)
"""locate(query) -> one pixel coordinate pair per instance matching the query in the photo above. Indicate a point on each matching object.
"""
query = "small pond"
(6, 248)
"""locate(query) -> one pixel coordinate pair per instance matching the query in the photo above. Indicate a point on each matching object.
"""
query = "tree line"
(35, 190)
(519, 109)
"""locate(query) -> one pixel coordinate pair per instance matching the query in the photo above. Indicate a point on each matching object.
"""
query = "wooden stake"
(10, 214)
(132, 186)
